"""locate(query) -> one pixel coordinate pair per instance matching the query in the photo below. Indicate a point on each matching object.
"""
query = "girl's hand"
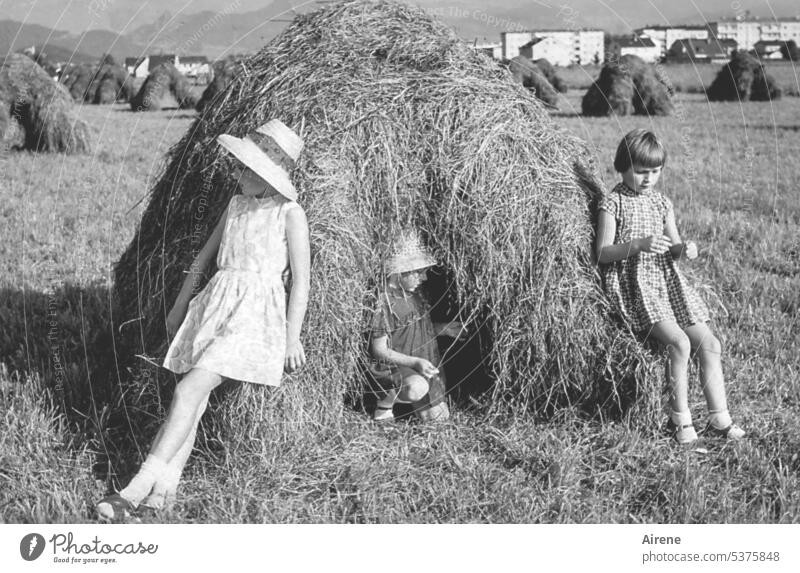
(175, 318)
(295, 356)
(425, 368)
(690, 250)
(654, 244)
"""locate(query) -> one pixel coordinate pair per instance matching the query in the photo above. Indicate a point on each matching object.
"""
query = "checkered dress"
(647, 288)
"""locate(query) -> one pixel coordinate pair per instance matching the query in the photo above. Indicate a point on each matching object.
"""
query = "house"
(665, 36)
(551, 49)
(643, 47)
(748, 31)
(190, 66)
(769, 49)
(137, 67)
(582, 46)
(193, 66)
(691, 50)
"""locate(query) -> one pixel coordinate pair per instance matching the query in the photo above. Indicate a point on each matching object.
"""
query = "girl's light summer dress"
(236, 326)
(649, 287)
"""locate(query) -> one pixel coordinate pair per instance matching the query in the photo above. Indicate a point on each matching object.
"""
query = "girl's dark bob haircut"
(639, 147)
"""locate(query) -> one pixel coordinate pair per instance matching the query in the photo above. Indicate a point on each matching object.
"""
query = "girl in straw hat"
(403, 338)
(238, 326)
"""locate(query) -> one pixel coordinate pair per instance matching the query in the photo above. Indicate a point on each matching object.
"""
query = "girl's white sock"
(149, 473)
(720, 419)
(680, 418)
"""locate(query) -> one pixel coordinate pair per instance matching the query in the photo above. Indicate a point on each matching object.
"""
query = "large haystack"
(42, 107)
(743, 78)
(224, 72)
(405, 126)
(165, 86)
(531, 76)
(628, 85)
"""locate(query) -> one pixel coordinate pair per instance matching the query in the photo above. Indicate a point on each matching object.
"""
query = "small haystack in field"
(224, 72)
(531, 76)
(41, 106)
(743, 78)
(405, 127)
(77, 78)
(628, 85)
(112, 84)
(549, 72)
(164, 87)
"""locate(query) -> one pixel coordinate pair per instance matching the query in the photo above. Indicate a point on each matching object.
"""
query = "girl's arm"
(453, 329)
(379, 347)
(678, 248)
(607, 252)
(199, 265)
(300, 262)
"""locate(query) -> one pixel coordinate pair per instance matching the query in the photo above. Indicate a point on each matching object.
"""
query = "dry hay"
(743, 78)
(41, 106)
(163, 84)
(404, 125)
(532, 77)
(628, 85)
(224, 72)
(112, 84)
(549, 72)
(77, 78)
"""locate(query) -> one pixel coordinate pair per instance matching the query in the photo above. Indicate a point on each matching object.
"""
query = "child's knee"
(414, 388)
(680, 345)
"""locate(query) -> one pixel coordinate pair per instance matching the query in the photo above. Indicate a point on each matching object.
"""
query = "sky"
(475, 17)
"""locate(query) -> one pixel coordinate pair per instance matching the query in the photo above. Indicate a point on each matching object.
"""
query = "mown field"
(733, 175)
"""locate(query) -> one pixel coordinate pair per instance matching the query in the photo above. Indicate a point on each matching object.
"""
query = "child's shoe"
(683, 434)
(383, 414)
(732, 432)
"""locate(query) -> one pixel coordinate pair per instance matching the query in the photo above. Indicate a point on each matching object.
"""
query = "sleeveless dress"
(649, 287)
(236, 326)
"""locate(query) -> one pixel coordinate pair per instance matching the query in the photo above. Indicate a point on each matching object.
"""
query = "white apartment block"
(748, 32)
(664, 36)
(565, 46)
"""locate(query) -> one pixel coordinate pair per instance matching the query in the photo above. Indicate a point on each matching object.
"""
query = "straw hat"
(271, 151)
(408, 254)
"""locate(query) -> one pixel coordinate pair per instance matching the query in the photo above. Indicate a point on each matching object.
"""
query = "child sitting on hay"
(637, 246)
(238, 326)
(403, 338)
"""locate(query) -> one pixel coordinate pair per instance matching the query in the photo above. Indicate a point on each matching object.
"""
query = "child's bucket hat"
(271, 151)
(408, 254)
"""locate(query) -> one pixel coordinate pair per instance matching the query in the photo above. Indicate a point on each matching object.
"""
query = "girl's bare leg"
(709, 357)
(678, 346)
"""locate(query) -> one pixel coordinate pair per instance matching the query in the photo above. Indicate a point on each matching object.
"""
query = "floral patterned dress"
(649, 287)
(236, 326)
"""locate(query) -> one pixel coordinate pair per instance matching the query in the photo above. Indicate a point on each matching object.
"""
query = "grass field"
(732, 174)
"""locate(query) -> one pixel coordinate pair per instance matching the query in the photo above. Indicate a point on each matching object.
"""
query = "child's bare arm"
(199, 266)
(379, 347)
(607, 252)
(300, 262)
(453, 329)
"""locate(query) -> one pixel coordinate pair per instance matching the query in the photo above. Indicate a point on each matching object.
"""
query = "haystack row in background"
(42, 108)
(405, 126)
(224, 72)
(549, 72)
(627, 86)
(164, 87)
(531, 76)
(104, 84)
(743, 78)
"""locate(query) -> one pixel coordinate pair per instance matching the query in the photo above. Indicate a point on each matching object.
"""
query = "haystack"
(77, 78)
(549, 72)
(112, 84)
(628, 85)
(42, 107)
(532, 77)
(165, 86)
(743, 78)
(405, 126)
(224, 73)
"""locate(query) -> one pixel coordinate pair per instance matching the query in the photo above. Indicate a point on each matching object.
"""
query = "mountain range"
(86, 29)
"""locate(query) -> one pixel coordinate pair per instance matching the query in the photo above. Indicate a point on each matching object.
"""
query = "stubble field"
(733, 174)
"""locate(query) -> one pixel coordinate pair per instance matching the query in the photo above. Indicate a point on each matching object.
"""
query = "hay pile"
(626, 86)
(104, 84)
(41, 106)
(164, 87)
(532, 77)
(743, 78)
(224, 72)
(405, 126)
(549, 72)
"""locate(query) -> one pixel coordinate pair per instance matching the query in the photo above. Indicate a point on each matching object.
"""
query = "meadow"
(732, 174)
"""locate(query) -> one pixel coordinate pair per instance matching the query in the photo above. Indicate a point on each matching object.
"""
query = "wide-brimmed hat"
(271, 151)
(408, 254)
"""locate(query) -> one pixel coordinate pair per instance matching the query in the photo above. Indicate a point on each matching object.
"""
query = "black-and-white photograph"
(407, 262)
